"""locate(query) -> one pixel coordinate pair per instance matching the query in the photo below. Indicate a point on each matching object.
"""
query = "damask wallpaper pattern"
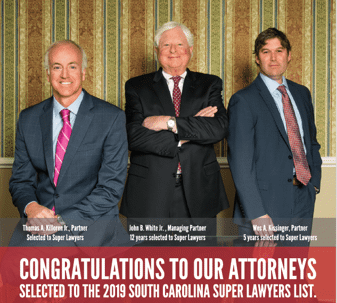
(117, 36)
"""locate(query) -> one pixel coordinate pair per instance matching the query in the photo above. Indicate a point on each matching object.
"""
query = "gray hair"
(171, 25)
(84, 56)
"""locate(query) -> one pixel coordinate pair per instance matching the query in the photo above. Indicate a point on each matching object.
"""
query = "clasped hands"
(158, 123)
(42, 217)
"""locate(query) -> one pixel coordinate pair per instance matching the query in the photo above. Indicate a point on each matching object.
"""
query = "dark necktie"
(176, 103)
(300, 161)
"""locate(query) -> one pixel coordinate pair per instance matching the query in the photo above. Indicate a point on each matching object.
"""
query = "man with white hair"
(174, 116)
(70, 159)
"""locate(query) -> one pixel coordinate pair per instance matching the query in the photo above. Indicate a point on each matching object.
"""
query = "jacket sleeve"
(315, 169)
(241, 160)
(206, 130)
(163, 143)
(22, 184)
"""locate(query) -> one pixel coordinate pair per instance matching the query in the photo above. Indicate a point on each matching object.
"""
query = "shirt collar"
(168, 76)
(271, 84)
(73, 107)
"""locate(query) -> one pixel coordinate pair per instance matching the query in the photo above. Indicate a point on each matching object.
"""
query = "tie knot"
(65, 113)
(176, 79)
(282, 89)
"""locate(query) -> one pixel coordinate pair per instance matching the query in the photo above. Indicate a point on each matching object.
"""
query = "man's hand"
(265, 243)
(207, 112)
(157, 123)
(41, 216)
(184, 141)
(262, 226)
(35, 210)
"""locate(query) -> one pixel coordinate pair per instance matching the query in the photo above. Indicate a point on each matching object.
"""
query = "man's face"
(273, 59)
(173, 51)
(66, 75)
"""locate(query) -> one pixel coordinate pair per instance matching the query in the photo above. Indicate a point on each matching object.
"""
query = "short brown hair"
(271, 33)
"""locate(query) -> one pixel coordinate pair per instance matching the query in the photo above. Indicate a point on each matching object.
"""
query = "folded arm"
(158, 123)
(207, 126)
(142, 138)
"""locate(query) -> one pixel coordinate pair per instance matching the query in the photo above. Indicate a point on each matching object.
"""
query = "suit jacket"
(259, 152)
(155, 155)
(93, 172)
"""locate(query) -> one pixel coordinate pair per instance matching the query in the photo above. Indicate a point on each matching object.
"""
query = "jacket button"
(290, 157)
(290, 180)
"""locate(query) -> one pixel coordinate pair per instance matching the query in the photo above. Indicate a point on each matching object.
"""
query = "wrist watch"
(61, 221)
(171, 123)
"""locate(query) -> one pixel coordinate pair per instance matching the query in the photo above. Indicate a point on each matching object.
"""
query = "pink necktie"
(62, 143)
(300, 161)
(176, 103)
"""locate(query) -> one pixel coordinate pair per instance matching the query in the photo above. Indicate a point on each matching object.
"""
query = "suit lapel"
(268, 99)
(187, 95)
(161, 89)
(46, 124)
(82, 123)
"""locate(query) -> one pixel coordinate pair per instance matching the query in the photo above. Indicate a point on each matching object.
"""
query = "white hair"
(46, 56)
(171, 25)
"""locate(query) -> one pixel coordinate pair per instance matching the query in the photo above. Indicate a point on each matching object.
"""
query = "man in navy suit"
(82, 201)
(174, 116)
(272, 148)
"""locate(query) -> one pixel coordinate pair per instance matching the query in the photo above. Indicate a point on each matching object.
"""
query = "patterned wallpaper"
(118, 38)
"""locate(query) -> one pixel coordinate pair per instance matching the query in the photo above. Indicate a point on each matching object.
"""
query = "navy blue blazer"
(93, 172)
(259, 153)
(155, 155)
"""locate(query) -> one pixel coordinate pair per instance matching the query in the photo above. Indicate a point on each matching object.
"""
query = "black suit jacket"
(93, 172)
(155, 155)
(259, 152)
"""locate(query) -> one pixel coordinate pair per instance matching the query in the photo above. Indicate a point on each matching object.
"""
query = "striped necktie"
(62, 143)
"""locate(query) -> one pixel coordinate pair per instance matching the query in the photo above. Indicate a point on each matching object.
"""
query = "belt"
(296, 182)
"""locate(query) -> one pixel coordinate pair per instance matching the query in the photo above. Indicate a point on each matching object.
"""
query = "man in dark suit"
(174, 116)
(272, 148)
(70, 159)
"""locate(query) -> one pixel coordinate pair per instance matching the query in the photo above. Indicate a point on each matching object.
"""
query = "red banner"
(168, 274)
